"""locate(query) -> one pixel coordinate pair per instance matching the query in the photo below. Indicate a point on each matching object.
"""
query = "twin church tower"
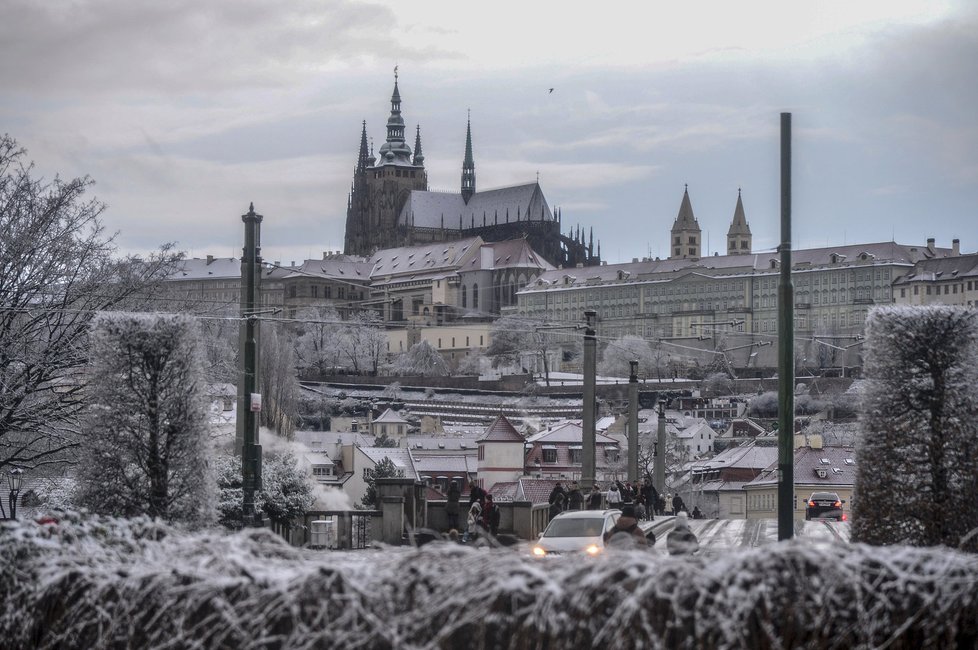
(390, 206)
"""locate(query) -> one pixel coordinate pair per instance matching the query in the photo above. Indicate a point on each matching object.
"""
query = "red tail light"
(845, 517)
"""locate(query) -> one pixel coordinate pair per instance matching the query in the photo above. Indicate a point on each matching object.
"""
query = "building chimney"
(930, 244)
(210, 258)
(325, 255)
(955, 247)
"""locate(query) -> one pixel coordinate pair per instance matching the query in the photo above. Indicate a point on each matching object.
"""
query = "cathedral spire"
(468, 164)
(686, 231)
(739, 235)
(418, 156)
(395, 150)
(362, 157)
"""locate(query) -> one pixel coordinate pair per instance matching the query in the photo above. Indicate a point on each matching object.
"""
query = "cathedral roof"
(436, 209)
(739, 224)
(685, 219)
(437, 256)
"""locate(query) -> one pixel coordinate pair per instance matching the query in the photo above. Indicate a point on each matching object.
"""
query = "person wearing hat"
(626, 531)
(681, 540)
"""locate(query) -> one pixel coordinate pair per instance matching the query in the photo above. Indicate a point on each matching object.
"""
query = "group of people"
(483, 515)
(642, 496)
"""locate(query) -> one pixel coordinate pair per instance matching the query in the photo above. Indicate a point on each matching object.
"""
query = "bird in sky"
(551, 90)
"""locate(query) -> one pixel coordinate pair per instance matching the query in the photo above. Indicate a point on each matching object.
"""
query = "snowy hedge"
(108, 583)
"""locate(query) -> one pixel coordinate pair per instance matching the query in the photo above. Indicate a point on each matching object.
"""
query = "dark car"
(824, 505)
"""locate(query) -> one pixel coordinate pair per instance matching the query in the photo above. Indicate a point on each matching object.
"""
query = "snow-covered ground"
(717, 536)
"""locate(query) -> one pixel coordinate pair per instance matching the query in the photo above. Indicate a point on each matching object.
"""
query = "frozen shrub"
(917, 477)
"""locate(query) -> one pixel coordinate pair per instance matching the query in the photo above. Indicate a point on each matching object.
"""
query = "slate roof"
(510, 253)
(400, 457)
(442, 257)
(745, 457)
(444, 209)
(685, 219)
(942, 269)
(663, 271)
(200, 269)
(839, 472)
(437, 465)
(534, 490)
(501, 430)
(739, 224)
(390, 417)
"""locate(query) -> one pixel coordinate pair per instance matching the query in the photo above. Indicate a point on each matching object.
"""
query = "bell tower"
(686, 236)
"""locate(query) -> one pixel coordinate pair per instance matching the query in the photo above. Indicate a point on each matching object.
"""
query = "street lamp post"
(16, 480)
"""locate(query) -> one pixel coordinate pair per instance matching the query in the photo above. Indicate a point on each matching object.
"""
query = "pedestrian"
(639, 508)
(696, 513)
(627, 493)
(474, 522)
(614, 496)
(574, 497)
(491, 516)
(556, 500)
(476, 493)
(681, 540)
(626, 531)
(651, 498)
(594, 499)
(452, 507)
(677, 504)
(661, 509)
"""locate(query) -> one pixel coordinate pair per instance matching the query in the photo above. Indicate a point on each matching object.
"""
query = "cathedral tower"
(686, 234)
(468, 165)
(739, 236)
(381, 186)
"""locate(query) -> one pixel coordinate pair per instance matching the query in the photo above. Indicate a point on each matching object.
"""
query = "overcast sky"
(185, 111)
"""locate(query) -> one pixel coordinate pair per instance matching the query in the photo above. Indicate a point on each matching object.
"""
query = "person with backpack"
(626, 531)
(681, 540)
(614, 496)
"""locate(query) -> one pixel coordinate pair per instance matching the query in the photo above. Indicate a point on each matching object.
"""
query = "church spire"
(739, 235)
(395, 150)
(686, 231)
(468, 165)
(418, 156)
(362, 157)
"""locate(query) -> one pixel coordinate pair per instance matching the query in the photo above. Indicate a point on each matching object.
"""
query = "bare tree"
(57, 268)
(145, 448)
(278, 380)
(318, 345)
(364, 342)
(617, 355)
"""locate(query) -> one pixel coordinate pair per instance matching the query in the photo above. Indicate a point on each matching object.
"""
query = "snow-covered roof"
(823, 467)
(567, 432)
(440, 464)
(400, 457)
(445, 209)
(390, 416)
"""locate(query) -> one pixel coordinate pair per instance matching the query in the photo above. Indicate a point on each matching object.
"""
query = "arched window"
(463, 297)
(475, 296)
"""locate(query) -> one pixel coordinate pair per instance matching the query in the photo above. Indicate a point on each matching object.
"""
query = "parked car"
(824, 505)
(576, 531)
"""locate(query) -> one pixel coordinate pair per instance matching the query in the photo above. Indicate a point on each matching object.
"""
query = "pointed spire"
(685, 218)
(468, 164)
(418, 156)
(362, 157)
(395, 150)
(739, 235)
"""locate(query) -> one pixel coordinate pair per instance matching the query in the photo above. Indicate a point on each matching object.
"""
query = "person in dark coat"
(681, 540)
(626, 532)
(594, 499)
(677, 504)
(557, 500)
(696, 513)
(491, 516)
(651, 498)
(452, 507)
(476, 493)
(574, 497)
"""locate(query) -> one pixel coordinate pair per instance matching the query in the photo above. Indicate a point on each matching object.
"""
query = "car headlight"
(538, 551)
(593, 549)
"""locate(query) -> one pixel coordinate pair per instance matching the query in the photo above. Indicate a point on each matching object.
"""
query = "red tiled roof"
(501, 430)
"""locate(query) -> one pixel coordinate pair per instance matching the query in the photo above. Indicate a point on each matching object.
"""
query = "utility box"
(321, 534)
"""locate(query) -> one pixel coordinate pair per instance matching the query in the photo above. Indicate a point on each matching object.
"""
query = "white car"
(576, 531)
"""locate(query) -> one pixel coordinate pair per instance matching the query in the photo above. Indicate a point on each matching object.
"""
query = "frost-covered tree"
(717, 383)
(144, 452)
(421, 360)
(385, 468)
(318, 344)
(472, 363)
(57, 268)
(917, 461)
(286, 490)
(278, 381)
(363, 342)
(511, 337)
(616, 357)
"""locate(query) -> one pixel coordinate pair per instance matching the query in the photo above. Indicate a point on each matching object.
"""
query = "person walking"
(491, 516)
(613, 496)
(451, 506)
(681, 540)
(594, 499)
(556, 500)
(474, 522)
(651, 496)
(574, 497)
(677, 504)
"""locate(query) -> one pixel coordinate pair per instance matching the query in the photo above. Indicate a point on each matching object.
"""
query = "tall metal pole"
(786, 345)
(587, 426)
(633, 422)
(249, 399)
(659, 468)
